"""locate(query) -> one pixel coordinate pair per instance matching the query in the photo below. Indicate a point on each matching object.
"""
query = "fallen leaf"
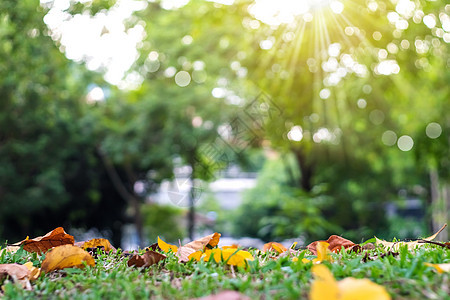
(166, 247)
(367, 256)
(441, 268)
(200, 244)
(95, 243)
(231, 256)
(274, 246)
(304, 260)
(66, 256)
(146, 260)
(226, 295)
(411, 245)
(335, 244)
(41, 244)
(10, 249)
(34, 272)
(325, 287)
(197, 255)
(19, 274)
(323, 252)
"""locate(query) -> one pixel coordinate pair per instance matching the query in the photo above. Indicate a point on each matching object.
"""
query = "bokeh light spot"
(405, 143)
(389, 138)
(182, 78)
(433, 130)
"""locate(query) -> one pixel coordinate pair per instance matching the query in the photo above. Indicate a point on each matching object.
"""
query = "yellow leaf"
(411, 245)
(351, 288)
(236, 258)
(66, 256)
(34, 272)
(94, 243)
(441, 268)
(166, 247)
(196, 255)
(325, 287)
(323, 253)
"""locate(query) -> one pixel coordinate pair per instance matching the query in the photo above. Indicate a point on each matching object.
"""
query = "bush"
(164, 221)
(273, 210)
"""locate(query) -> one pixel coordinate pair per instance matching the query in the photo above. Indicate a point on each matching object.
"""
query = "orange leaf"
(184, 251)
(41, 244)
(66, 256)
(274, 246)
(335, 244)
(94, 243)
(166, 247)
(146, 260)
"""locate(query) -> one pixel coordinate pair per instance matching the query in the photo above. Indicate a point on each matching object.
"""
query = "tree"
(50, 174)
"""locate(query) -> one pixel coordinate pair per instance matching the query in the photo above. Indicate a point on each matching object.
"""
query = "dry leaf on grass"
(146, 260)
(411, 245)
(274, 246)
(232, 256)
(335, 244)
(200, 244)
(41, 244)
(18, 273)
(325, 287)
(95, 243)
(440, 268)
(184, 251)
(34, 272)
(166, 247)
(66, 256)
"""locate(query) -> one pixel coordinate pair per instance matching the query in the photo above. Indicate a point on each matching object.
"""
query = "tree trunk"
(129, 197)
(191, 214)
(306, 170)
(440, 204)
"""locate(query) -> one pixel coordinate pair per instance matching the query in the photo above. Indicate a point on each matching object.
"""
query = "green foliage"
(164, 221)
(281, 211)
(50, 174)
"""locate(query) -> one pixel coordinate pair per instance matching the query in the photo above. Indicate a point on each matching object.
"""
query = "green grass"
(404, 276)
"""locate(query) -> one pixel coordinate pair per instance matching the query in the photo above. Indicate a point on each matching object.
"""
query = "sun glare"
(286, 11)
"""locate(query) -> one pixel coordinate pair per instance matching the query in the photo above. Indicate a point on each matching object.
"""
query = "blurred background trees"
(346, 115)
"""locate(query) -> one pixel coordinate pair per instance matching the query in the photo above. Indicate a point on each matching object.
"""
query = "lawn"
(403, 273)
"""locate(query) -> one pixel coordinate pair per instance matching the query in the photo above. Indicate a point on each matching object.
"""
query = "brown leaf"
(66, 256)
(184, 251)
(146, 260)
(19, 273)
(336, 243)
(226, 295)
(41, 244)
